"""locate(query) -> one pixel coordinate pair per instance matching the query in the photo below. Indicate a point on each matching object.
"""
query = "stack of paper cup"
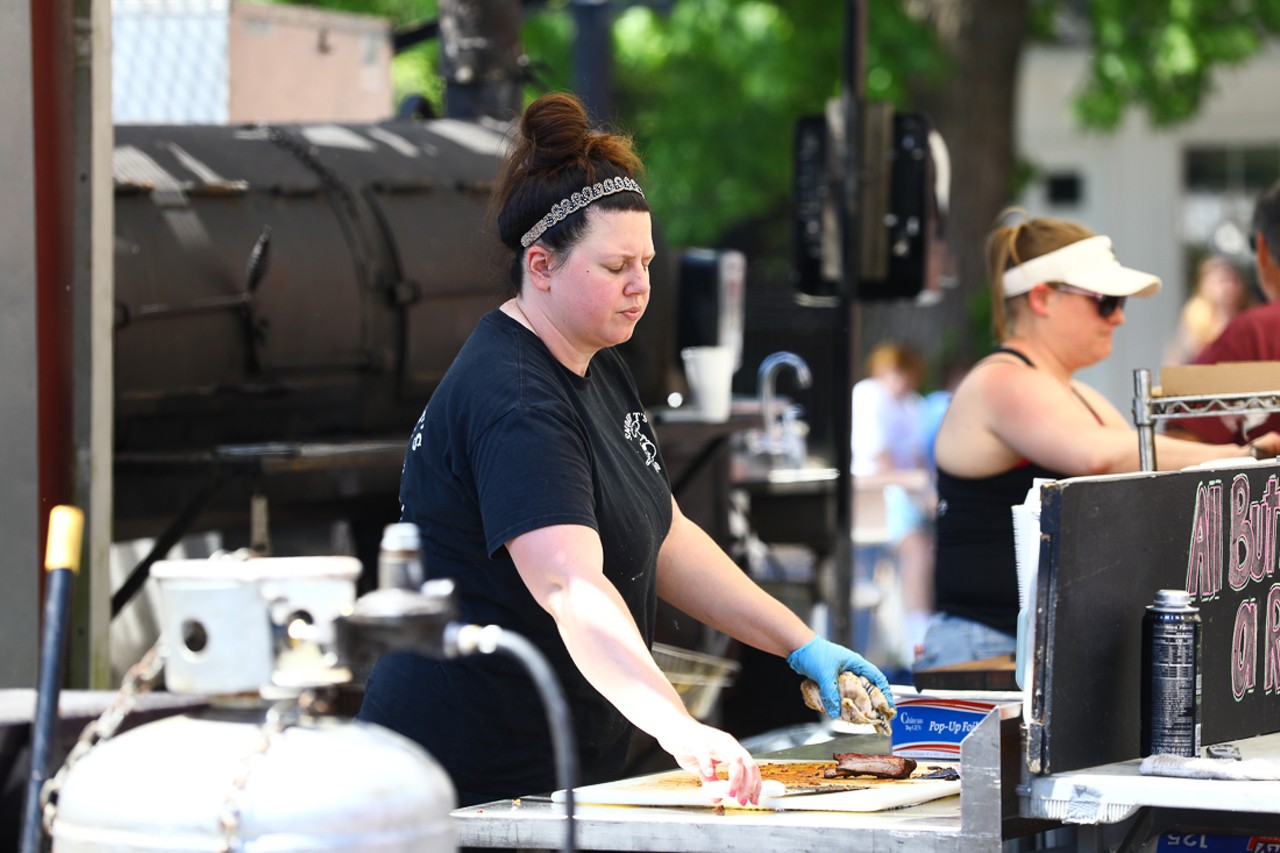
(709, 371)
(1026, 543)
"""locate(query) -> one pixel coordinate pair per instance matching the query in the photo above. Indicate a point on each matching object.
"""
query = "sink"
(758, 467)
(810, 473)
(792, 504)
(779, 455)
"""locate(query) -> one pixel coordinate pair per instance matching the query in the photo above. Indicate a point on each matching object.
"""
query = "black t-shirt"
(511, 441)
(976, 567)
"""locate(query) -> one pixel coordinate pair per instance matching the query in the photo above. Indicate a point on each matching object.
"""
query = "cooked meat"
(879, 766)
(860, 701)
(949, 773)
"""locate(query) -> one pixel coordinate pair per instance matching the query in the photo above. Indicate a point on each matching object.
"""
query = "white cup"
(709, 371)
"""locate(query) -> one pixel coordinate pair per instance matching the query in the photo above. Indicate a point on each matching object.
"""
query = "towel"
(1253, 770)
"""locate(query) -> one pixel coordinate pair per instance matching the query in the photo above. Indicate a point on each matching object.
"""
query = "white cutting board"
(880, 794)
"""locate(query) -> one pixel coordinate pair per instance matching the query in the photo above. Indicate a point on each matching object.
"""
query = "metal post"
(841, 607)
(481, 59)
(1142, 419)
(593, 57)
(93, 313)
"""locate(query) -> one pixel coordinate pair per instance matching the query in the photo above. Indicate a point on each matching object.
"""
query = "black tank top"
(975, 574)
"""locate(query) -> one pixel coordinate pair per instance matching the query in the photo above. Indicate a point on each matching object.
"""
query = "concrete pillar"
(19, 498)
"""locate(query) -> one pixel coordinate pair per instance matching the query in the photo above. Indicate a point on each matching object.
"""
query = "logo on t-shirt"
(416, 441)
(632, 431)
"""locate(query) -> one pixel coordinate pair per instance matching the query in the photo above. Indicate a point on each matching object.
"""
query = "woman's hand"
(1264, 446)
(823, 661)
(703, 750)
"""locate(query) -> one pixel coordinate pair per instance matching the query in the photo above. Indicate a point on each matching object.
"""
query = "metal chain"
(139, 679)
(280, 716)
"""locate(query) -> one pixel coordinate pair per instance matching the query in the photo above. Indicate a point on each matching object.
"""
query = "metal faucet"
(767, 378)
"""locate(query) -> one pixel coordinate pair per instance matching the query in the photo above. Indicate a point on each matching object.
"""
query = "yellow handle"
(66, 529)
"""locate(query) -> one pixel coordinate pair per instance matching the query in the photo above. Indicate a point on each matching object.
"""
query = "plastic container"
(400, 557)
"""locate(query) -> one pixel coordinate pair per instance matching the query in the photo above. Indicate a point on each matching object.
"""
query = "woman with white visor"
(1058, 296)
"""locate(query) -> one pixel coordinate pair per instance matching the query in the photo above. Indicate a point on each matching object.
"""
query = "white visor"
(1087, 263)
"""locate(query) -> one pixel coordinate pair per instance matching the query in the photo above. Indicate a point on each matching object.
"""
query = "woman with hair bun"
(1058, 295)
(538, 486)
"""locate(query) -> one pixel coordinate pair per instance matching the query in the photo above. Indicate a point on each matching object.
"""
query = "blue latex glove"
(823, 661)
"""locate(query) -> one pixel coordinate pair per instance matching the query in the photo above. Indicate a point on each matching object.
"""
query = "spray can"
(400, 557)
(1171, 676)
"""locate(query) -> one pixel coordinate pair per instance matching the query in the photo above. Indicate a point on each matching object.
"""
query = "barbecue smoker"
(293, 382)
(294, 385)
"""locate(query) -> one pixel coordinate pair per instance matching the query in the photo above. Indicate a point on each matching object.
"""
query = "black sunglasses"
(1106, 305)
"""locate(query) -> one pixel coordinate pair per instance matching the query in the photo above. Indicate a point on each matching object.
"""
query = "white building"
(1165, 196)
(226, 62)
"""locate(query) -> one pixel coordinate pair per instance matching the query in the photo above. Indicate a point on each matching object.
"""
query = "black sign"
(1107, 545)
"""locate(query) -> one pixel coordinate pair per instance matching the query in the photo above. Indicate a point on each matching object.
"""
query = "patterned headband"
(576, 202)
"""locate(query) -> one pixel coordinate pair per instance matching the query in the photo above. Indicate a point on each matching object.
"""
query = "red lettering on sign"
(1243, 552)
(1270, 519)
(1244, 649)
(1271, 642)
(1204, 556)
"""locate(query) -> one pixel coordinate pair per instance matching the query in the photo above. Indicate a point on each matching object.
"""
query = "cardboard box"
(1228, 377)
(933, 725)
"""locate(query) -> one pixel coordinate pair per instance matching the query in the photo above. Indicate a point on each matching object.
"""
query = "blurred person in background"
(1058, 296)
(1220, 294)
(936, 403)
(1253, 335)
(890, 444)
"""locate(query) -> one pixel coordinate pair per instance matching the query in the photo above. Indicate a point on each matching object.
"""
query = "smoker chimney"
(481, 58)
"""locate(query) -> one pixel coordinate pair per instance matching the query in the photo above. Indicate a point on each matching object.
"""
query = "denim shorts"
(952, 639)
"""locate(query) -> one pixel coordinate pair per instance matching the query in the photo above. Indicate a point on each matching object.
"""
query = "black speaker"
(814, 228)
(898, 221)
(903, 230)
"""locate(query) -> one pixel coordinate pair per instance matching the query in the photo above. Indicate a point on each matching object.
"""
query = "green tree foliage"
(1161, 54)
(711, 89)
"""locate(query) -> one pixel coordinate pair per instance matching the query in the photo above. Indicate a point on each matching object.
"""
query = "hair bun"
(558, 132)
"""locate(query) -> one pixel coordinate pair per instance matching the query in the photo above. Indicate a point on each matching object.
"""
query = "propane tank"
(260, 769)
